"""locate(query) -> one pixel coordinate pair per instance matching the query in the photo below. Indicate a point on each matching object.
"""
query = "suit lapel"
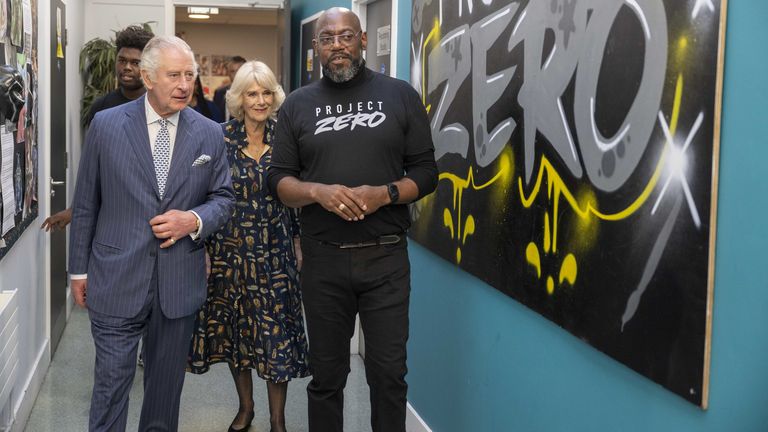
(138, 138)
(184, 150)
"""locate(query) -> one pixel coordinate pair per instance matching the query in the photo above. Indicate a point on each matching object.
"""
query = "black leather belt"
(383, 240)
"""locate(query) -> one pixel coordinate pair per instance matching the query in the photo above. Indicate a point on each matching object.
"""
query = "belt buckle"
(351, 245)
(389, 239)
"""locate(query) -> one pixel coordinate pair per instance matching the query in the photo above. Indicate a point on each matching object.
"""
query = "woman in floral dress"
(252, 319)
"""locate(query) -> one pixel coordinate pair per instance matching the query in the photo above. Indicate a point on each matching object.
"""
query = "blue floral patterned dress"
(252, 317)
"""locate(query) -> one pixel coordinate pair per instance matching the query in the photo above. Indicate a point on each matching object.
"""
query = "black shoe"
(247, 426)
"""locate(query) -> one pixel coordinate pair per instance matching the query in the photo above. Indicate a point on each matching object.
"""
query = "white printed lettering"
(333, 123)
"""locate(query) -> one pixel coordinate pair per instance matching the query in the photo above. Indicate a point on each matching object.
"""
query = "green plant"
(97, 66)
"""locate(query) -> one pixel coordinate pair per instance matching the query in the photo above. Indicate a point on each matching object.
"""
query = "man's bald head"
(337, 15)
(339, 42)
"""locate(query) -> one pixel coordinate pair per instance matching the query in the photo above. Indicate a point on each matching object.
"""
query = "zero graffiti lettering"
(575, 145)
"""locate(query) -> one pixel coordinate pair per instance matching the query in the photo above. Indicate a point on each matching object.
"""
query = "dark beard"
(344, 74)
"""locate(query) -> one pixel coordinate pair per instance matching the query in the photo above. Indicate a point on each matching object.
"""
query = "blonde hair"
(249, 73)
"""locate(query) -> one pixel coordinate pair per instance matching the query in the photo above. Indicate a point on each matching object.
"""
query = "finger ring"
(173, 240)
(342, 207)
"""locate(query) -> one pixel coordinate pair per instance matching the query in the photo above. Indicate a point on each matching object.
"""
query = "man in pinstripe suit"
(153, 183)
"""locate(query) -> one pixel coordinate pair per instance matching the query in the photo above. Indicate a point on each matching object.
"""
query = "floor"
(208, 402)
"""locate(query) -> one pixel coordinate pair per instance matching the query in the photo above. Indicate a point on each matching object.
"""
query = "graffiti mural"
(577, 145)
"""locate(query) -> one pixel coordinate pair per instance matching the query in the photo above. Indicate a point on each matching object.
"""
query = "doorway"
(378, 18)
(252, 33)
(58, 177)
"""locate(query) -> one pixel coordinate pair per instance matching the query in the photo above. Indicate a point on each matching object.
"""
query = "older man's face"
(340, 44)
(169, 90)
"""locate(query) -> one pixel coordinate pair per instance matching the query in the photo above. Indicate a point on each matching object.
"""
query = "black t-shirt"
(109, 100)
(371, 130)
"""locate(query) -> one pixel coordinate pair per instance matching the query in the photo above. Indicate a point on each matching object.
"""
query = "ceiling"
(239, 16)
(268, 4)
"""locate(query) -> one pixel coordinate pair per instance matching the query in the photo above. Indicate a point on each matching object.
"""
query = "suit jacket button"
(153, 253)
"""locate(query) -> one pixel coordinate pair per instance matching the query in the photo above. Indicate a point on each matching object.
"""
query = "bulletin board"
(310, 69)
(19, 155)
(577, 144)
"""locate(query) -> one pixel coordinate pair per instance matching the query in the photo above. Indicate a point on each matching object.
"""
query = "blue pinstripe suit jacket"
(116, 196)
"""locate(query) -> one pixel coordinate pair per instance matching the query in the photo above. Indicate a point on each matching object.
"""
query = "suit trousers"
(336, 285)
(166, 345)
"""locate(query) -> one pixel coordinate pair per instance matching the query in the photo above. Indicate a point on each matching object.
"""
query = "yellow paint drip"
(583, 232)
(448, 220)
(550, 285)
(546, 232)
(459, 186)
(568, 270)
(533, 258)
(458, 255)
(469, 228)
(556, 187)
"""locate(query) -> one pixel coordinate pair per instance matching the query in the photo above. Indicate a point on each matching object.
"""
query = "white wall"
(251, 42)
(75, 135)
(104, 17)
(17, 273)
(25, 266)
(89, 19)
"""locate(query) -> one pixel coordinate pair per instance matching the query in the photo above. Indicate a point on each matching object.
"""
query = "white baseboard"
(23, 408)
(414, 422)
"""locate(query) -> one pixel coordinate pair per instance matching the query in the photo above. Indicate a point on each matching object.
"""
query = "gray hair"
(151, 56)
(249, 73)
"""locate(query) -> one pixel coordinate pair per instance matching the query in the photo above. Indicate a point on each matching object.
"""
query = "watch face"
(394, 193)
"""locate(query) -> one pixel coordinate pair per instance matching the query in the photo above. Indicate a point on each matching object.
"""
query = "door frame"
(302, 49)
(360, 7)
(58, 166)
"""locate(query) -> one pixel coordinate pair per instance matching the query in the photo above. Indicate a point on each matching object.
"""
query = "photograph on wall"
(7, 193)
(10, 52)
(16, 23)
(18, 177)
(219, 65)
(3, 18)
(383, 43)
(59, 32)
(205, 65)
(577, 144)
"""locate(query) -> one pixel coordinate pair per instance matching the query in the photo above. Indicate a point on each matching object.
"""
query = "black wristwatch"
(394, 193)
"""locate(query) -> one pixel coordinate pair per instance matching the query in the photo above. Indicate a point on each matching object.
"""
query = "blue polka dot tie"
(162, 155)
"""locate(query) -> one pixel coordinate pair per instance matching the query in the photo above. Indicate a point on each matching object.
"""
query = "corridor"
(208, 402)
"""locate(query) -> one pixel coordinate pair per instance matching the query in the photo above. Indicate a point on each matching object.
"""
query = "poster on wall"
(19, 156)
(577, 143)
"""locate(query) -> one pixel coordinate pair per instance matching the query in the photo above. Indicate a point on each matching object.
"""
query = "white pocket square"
(201, 160)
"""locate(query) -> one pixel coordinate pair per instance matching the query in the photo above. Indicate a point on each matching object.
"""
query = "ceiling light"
(193, 10)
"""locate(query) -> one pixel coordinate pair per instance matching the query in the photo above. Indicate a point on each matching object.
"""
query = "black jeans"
(336, 284)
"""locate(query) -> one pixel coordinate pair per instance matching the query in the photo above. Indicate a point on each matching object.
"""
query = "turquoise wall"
(301, 9)
(480, 361)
